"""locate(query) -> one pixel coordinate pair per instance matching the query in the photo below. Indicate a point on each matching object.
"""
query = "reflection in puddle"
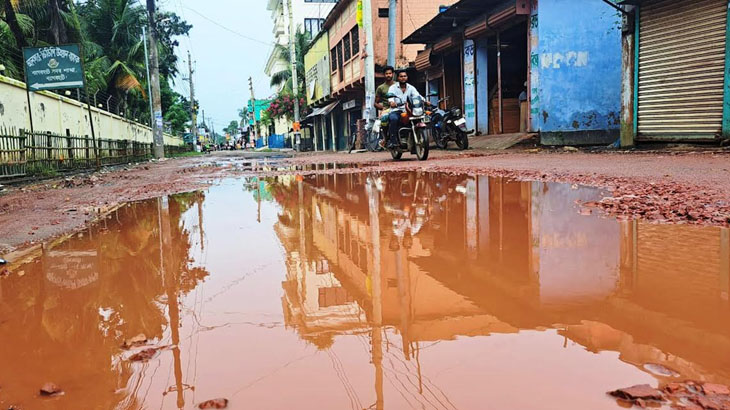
(390, 290)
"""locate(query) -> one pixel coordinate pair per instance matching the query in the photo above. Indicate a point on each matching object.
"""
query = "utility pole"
(193, 115)
(253, 106)
(367, 22)
(392, 14)
(159, 141)
(293, 56)
(149, 82)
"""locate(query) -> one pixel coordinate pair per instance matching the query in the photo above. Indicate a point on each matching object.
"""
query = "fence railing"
(26, 154)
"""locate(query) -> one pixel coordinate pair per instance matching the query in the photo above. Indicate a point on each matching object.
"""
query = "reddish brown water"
(389, 291)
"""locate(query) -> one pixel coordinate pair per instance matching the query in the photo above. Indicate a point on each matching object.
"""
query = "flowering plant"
(283, 106)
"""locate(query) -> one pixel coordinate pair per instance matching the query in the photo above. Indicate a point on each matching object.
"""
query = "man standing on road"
(401, 93)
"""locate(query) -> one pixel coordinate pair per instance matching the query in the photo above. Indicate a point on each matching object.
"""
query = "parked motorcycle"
(449, 126)
(413, 130)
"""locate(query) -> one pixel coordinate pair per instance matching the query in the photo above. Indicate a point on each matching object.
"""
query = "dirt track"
(688, 187)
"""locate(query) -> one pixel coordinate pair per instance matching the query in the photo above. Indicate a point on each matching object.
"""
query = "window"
(347, 50)
(340, 62)
(333, 59)
(355, 36)
(383, 12)
(313, 26)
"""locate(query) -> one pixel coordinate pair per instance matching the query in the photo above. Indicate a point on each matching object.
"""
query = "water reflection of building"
(490, 255)
(65, 314)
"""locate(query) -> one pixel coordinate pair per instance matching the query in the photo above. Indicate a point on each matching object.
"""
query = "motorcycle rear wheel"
(462, 140)
(438, 138)
(396, 154)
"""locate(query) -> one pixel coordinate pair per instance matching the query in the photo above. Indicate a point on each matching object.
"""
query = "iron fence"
(25, 154)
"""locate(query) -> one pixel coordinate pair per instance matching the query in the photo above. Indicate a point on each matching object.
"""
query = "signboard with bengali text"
(53, 68)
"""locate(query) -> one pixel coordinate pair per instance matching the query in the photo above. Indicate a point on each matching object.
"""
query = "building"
(517, 66)
(346, 44)
(308, 15)
(676, 76)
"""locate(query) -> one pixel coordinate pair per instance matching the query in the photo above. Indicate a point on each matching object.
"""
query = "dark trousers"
(393, 120)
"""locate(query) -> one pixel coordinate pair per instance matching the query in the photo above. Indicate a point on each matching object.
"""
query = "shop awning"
(323, 110)
(451, 20)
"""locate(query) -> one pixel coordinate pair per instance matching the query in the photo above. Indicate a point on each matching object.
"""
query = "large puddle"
(366, 291)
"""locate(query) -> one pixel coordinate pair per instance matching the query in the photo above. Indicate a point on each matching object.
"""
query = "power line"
(229, 29)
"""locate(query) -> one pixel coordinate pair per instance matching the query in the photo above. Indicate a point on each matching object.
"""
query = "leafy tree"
(284, 77)
(232, 128)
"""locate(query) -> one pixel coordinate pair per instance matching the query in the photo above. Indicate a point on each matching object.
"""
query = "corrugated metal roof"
(453, 19)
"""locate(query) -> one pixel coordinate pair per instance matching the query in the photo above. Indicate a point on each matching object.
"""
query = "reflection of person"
(399, 93)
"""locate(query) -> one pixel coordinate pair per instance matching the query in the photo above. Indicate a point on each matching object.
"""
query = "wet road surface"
(366, 290)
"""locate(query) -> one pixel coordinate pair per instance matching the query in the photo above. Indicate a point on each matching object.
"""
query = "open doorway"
(507, 103)
(453, 79)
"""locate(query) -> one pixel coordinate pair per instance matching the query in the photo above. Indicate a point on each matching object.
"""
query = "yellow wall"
(54, 113)
(319, 50)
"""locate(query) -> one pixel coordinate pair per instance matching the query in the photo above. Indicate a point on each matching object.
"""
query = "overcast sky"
(230, 41)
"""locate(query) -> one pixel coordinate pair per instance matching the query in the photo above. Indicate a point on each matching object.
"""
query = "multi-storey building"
(346, 60)
(308, 15)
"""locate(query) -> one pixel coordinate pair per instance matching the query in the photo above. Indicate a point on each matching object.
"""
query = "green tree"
(284, 77)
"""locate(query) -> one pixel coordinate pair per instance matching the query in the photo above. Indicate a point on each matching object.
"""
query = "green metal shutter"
(681, 68)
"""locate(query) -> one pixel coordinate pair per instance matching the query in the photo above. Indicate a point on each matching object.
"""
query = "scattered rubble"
(51, 389)
(219, 403)
(680, 395)
(139, 340)
(642, 392)
(143, 356)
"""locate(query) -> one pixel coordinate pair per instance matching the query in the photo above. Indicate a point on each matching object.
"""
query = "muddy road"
(500, 281)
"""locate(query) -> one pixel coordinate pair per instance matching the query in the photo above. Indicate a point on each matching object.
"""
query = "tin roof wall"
(454, 18)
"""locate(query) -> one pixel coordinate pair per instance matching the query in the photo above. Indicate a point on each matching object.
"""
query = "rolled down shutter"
(681, 68)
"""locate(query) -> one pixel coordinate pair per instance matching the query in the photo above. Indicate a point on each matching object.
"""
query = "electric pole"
(367, 22)
(253, 107)
(392, 14)
(149, 82)
(159, 141)
(193, 115)
(293, 56)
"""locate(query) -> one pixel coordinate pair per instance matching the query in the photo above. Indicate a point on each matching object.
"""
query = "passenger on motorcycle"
(398, 95)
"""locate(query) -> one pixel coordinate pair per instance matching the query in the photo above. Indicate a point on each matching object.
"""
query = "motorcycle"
(413, 130)
(449, 126)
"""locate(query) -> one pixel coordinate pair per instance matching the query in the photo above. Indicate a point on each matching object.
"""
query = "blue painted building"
(547, 66)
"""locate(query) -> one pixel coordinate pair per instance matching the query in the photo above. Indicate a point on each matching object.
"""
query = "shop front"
(551, 67)
(680, 81)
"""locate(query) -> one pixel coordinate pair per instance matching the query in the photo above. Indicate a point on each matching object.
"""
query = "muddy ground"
(666, 187)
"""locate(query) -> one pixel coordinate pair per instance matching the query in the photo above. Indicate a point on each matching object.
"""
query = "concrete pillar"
(628, 84)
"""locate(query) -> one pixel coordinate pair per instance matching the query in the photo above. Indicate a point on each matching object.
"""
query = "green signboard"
(53, 68)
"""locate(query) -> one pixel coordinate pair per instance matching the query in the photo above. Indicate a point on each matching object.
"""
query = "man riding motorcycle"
(399, 94)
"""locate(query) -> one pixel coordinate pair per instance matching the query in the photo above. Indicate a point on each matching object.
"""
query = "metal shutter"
(681, 68)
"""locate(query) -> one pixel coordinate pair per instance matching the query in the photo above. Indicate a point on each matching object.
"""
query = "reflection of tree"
(66, 334)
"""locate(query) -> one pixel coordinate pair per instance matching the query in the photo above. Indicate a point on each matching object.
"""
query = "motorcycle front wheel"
(396, 154)
(421, 144)
(462, 140)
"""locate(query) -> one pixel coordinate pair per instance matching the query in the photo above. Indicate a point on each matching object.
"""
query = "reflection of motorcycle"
(449, 126)
(413, 131)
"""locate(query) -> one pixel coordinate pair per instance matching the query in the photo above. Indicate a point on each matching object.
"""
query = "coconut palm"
(114, 49)
(284, 78)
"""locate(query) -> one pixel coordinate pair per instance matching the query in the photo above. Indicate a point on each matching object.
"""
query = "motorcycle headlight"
(417, 111)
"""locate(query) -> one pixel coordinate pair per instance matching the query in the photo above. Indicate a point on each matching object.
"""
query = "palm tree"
(114, 51)
(284, 78)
